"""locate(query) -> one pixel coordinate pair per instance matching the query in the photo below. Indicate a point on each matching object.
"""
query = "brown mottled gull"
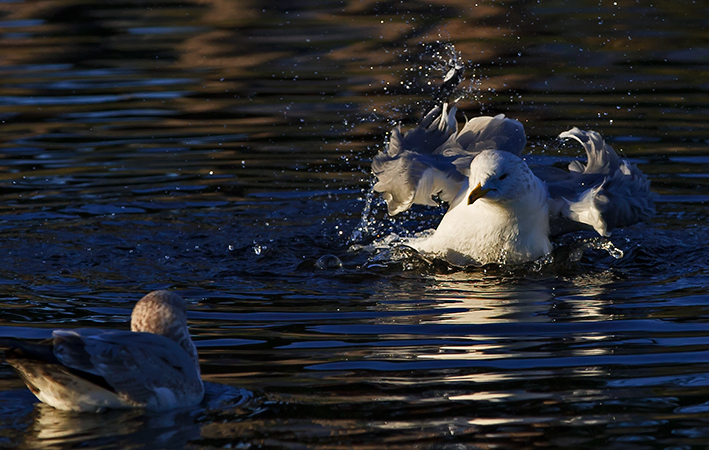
(502, 210)
(153, 366)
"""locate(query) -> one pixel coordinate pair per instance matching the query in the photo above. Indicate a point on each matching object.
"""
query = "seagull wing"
(492, 133)
(433, 160)
(603, 194)
(144, 369)
(410, 170)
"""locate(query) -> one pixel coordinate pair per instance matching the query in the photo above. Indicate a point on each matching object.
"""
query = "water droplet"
(598, 243)
(329, 262)
(612, 250)
(540, 263)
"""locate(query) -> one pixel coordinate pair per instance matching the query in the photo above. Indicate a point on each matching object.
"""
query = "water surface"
(221, 149)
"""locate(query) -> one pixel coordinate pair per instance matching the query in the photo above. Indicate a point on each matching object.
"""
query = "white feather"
(510, 224)
(436, 162)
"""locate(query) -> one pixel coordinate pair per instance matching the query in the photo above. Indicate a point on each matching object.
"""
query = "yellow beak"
(476, 193)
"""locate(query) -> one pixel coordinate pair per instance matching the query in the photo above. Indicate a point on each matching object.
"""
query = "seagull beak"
(476, 193)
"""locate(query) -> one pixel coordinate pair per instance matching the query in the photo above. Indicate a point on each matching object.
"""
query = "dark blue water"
(221, 149)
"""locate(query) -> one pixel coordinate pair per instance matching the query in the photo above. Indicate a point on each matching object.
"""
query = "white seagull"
(502, 210)
(153, 366)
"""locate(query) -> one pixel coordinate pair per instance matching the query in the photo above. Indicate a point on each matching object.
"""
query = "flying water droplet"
(612, 250)
(542, 262)
(597, 243)
(363, 227)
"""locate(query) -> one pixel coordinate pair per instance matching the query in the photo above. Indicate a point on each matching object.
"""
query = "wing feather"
(143, 368)
(432, 161)
(605, 193)
(492, 133)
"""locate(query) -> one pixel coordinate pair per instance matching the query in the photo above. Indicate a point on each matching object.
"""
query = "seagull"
(500, 208)
(153, 366)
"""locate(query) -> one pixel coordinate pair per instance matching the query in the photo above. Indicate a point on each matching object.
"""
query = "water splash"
(448, 64)
(400, 257)
(541, 263)
(364, 227)
(595, 243)
(444, 63)
(385, 243)
(441, 67)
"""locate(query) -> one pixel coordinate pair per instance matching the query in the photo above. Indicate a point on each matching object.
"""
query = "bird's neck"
(514, 218)
(525, 211)
(181, 336)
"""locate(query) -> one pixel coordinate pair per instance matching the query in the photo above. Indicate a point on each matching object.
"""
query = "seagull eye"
(503, 176)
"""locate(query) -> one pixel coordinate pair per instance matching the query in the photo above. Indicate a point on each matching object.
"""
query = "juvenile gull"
(153, 366)
(502, 210)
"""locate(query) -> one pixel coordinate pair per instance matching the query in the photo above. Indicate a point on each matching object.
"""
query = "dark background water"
(221, 148)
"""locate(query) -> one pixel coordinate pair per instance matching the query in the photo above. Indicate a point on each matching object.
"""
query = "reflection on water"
(57, 429)
(221, 149)
(46, 427)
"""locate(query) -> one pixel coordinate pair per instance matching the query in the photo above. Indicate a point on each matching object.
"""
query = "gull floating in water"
(502, 210)
(153, 366)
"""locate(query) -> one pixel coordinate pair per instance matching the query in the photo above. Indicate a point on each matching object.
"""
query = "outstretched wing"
(410, 170)
(604, 194)
(433, 160)
(485, 133)
(144, 369)
(492, 133)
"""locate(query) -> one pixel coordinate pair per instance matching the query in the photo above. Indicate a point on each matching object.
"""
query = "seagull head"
(164, 313)
(498, 176)
(160, 312)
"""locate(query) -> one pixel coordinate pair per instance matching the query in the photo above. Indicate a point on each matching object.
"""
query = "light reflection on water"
(220, 149)
(46, 427)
